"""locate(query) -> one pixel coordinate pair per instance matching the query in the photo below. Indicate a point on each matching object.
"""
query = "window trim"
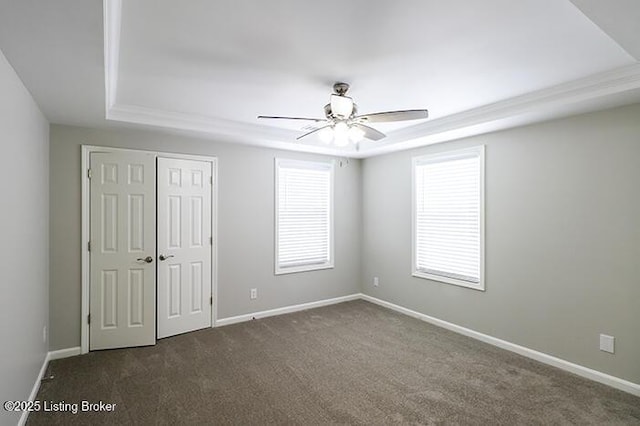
(439, 157)
(324, 165)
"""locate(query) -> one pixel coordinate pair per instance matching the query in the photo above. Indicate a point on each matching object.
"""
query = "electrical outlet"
(254, 293)
(44, 334)
(607, 343)
(376, 281)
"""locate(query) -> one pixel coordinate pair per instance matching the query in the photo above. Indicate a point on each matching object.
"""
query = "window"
(448, 222)
(304, 216)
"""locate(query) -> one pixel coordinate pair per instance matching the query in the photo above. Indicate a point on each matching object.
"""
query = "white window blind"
(304, 213)
(448, 217)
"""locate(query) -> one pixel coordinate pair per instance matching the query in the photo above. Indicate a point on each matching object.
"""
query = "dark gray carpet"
(352, 363)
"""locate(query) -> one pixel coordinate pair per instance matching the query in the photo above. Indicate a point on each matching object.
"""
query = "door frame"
(86, 151)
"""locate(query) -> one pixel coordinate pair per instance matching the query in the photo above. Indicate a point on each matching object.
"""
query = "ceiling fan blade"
(312, 132)
(369, 132)
(383, 117)
(291, 118)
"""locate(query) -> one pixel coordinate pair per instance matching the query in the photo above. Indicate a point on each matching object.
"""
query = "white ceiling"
(211, 67)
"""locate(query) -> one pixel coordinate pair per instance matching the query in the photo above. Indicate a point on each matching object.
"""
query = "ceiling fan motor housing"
(329, 114)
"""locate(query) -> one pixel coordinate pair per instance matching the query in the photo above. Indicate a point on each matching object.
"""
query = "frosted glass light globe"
(341, 134)
(356, 134)
(326, 135)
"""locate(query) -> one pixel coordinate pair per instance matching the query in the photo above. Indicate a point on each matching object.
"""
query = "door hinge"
(89, 174)
(88, 245)
(211, 300)
(211, 180)
(89, 319)
(210, 241)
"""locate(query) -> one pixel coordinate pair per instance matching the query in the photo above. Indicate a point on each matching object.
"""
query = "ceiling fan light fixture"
(356, 134)
(341, 134)
(340, 129)
(326, 135)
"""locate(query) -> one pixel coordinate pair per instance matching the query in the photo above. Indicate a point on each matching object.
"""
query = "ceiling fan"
(342, 124)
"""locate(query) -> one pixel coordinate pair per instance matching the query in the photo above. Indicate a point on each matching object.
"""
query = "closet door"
(184, 246)
(122, 250)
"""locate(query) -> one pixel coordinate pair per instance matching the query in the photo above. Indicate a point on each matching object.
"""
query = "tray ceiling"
(212, 67)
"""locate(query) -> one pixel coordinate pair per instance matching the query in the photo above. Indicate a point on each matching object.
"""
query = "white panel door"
(123, 240)
(184, 246)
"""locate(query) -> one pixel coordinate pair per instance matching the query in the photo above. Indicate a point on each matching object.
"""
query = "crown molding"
(525, 109)
(112, 18)
(220, 129)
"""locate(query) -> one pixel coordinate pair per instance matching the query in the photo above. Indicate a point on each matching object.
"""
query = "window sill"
(460, 283)
(303, 268)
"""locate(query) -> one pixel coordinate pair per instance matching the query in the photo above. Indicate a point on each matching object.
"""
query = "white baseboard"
(597, 376)
(34, 390)
(64, 353)
(286, 310)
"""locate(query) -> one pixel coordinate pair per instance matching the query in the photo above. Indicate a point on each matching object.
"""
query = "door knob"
(163, 257)
(147, 259)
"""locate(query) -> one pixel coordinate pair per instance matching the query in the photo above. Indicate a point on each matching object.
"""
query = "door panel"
(123, 286)
(184, 232)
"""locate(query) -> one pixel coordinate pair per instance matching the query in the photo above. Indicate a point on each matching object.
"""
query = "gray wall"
(562, 235)
(245, 226)
(562, 239)
(24, 231)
